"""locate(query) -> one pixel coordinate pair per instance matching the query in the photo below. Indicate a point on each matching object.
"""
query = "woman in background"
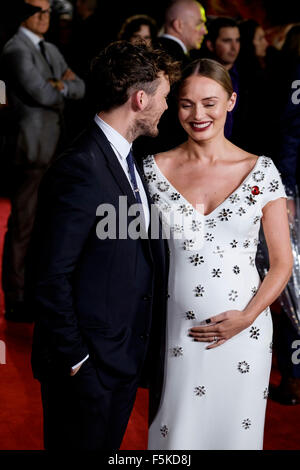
(139, 27)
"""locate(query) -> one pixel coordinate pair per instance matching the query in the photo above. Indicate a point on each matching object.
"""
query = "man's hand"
(68, 75)
(58, 84)
(74, 371)
(221, 328)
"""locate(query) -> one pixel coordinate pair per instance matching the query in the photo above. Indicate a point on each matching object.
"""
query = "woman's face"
(143, 33)
(260, 43)
(203, 106)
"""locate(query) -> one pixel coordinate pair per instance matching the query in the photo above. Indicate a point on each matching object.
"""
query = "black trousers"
(83, 413)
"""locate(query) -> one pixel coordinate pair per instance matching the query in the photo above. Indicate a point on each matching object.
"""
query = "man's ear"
(209, 45)
(139, 100)
(177, 25)
(231, 102)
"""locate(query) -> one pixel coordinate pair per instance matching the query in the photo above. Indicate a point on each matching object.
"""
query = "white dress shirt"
(121, 147)
(169, 36)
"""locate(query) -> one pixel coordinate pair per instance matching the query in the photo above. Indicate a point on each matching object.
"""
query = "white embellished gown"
(213, 399)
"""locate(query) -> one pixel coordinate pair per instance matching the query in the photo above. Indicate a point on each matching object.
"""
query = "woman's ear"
(231, 101)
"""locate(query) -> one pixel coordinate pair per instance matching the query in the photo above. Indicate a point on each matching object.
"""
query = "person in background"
(139, 27)
(184, 29)
(223, 44)
(260, 81)
(39, 82)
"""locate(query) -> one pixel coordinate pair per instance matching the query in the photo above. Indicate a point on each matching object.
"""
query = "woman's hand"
(221, 328)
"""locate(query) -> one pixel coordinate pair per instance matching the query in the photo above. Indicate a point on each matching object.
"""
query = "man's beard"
(146, 128)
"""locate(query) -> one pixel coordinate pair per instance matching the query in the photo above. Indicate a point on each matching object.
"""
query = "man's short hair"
(122, 68)
(214, 26)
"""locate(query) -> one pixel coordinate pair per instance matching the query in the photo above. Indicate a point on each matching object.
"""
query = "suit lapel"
(43, 63)
(113, 164)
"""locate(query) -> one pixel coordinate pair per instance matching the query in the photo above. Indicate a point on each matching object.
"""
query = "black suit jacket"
(92, 296)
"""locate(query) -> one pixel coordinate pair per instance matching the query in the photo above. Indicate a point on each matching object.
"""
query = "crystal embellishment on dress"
(255, 190)
(266, 393)
(199, 291)
(190, 315)
(258, 176)
(250, 200)
(185, 210)
(246, 423)
(274, 186)
(163, 186)
(164, 430)
(196, 225)
(155, 198)
(225, 214)
(234, 244)
(254, 332)
(233, 295)
(196, 260)
(150, 177)
(209, 237)
(175, 196)
(200, 391)
(211, 223)
(236, 269)
(188, 245)
(216, 272)
(234, 198)
(241, 211)
(177, 351)
(243, 367)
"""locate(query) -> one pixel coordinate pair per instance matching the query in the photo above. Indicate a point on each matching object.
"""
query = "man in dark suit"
(39, 82)
(97, 285)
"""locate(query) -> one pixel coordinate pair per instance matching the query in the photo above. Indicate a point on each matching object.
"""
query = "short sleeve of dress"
(273, 187)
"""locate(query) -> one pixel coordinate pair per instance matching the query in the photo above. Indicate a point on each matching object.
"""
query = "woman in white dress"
(212, 197)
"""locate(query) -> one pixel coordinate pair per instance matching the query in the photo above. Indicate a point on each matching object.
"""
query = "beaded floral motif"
(163, 186)
(254, 332)
(236, 269)
(164, 430)
(246, 423)
(185, 210)
(216, 272)
(155, 198)
(241, 211)
(188, 245)
(190, 315)
(251, 261)
(243, 367)
(148, 162)
(150, 177)
(246, 244)
(196, 225)
(250, 200)
(266, 393)
(256, 219)
(177, 229)
(274, 186)
(200, 391)
(234, 198)
(266, 162)
(175, 196)
(234, 243)
(211, 223)
(225, 214)
(177, 351)
(199, 291)
(233, 295)
(196, 260)
(246, 187)
(258, 176)
(209, 237)
(254, 290)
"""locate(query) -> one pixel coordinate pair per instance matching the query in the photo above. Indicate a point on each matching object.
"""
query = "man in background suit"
(38, 82)
(97, 295)
(184, 30)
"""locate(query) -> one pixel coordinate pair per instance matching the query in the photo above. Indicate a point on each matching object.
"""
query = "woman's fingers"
(217, 343)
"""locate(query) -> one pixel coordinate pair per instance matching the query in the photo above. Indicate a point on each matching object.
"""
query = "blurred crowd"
(45, 59)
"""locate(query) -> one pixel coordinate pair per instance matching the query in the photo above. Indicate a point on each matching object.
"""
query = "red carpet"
(20, 405)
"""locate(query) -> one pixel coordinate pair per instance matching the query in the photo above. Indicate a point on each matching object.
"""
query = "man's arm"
(66, 215)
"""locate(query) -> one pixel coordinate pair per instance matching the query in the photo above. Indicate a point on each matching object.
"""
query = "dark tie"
(130, 163)
(43, 51)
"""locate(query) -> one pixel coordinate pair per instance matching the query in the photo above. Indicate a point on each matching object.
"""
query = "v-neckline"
(219, 205)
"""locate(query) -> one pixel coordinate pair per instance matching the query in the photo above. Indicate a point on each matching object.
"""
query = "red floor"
(20, 405)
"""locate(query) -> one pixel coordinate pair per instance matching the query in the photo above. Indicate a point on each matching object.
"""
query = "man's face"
(157, 105)
(39, 22)
(227, 45)
(193, 26)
